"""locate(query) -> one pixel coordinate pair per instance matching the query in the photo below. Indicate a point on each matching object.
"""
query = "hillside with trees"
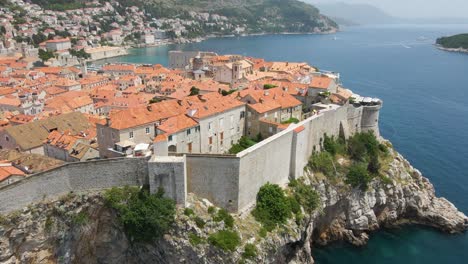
(256, 16)
(454, 42)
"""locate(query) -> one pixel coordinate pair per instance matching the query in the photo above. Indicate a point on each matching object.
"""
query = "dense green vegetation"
(454, 42)
(145, 217)
(364, 153)
(45, 55)
(275, 206)
(244, 143)
(227, 240)
(60, 5)
(81, 54)
(194, 91)
(291, 120)
(269, 86)
(225, 217)
(250, 251)
(195, 240)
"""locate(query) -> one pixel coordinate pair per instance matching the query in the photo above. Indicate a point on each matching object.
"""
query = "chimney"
(266, 93)
(179, 102)
(149, 108)
(108, 121)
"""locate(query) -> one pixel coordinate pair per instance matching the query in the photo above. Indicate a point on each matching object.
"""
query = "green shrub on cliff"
(273, 206)
(358, 176)
(224, 216)
(334, 145)
(144, 216)
(227, 240)
(305, 195)
(361, 146)
(322, 162)
(250, 251)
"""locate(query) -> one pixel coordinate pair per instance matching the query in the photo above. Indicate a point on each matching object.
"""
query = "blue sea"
(425, 115)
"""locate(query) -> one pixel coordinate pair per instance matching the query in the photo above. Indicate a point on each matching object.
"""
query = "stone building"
(58, 44)
(269, 109)
(211, 123)
(31, 136)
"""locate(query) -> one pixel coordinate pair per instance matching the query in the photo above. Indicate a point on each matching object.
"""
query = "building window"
(147, 130)
(113, 135)
(242, 114)
(270, 129)
(197, 129)
(221, 136)
(170, 138)
(130, 134)
(265, 115)
(188, 131)
(221, 123)
(7, 138)
(249, 124)
(210, 140)
(209, 126)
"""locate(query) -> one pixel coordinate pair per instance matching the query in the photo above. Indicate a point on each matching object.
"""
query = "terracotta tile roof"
(321, 82)
(139, 116)
(33, 134)
(119, 67)
(58, 40)
(177, 123)
(299, 129)
(7, 90)
(7, 170)
(160, 138)
(269, 97)
(10, 101)
(22, 119)
(69, 101)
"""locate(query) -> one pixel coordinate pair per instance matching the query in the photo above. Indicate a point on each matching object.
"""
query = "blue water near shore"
(425, 115)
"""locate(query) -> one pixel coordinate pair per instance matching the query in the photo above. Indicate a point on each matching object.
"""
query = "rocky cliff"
(82, 229)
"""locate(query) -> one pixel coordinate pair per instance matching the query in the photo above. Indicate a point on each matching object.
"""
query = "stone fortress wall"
(229, 181)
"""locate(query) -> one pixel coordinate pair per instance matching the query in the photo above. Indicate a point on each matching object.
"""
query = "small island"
(456, 43)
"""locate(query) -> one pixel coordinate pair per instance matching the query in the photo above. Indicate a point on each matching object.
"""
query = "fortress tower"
(370, 117)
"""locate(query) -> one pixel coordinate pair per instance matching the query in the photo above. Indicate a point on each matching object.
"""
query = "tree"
(194, 91)
(358, 176)
(145, 216)
(45, 55)
(82, 54)
(273, 206)
(38, 38)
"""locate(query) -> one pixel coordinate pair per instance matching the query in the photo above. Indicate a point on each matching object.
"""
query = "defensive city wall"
(229, 181)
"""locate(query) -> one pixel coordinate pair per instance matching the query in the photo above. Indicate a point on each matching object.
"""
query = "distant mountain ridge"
(367, 14)
(355, 13)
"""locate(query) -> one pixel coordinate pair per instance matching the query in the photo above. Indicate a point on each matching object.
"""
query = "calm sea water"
(425, 115)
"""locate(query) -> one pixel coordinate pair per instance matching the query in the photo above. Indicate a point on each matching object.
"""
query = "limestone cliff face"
(81, 229)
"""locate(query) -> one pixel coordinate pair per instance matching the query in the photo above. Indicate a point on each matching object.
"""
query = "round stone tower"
(370, 118)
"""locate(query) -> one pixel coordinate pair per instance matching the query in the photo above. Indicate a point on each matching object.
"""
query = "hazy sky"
(416, 8)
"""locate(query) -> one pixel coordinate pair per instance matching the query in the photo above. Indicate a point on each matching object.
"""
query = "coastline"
(201, 39)
(459, 50)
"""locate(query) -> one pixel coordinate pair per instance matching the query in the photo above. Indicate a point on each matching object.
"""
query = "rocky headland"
(81, 228)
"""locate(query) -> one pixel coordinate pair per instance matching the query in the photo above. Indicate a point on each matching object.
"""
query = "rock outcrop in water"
(81, 229)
